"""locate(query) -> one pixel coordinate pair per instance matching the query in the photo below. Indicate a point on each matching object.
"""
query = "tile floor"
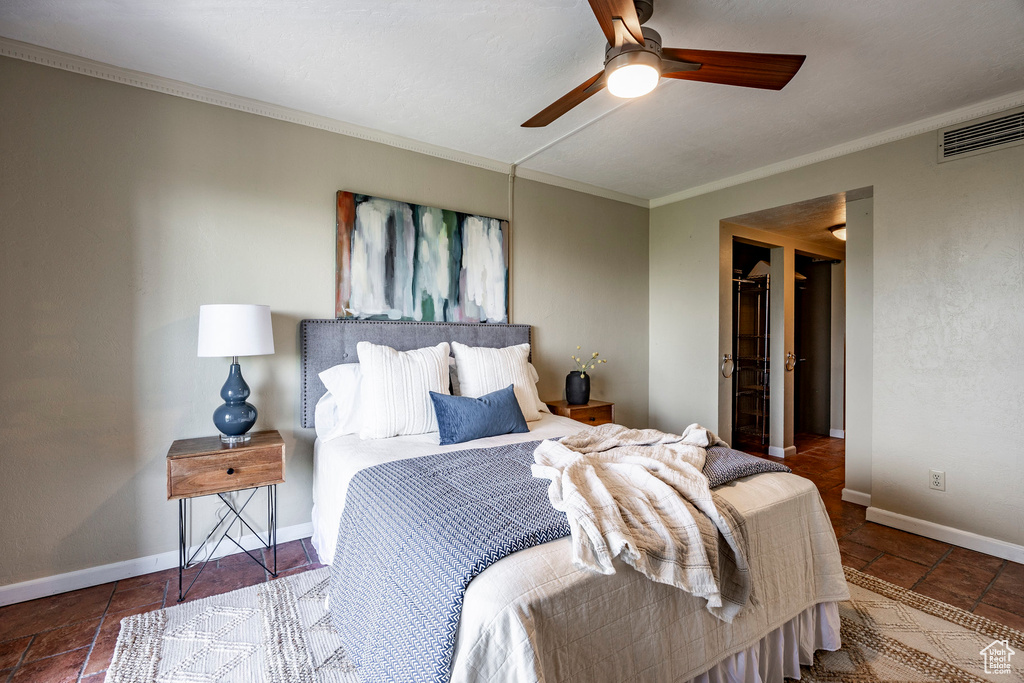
(979, 583)
(70, 637)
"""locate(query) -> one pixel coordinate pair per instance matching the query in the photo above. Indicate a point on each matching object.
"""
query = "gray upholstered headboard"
(330, 342)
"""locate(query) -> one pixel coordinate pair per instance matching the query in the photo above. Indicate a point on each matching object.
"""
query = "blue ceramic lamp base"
(236, 417)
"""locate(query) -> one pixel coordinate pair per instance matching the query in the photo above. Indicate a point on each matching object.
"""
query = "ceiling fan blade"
(745, 69)
(607, 11)
(671, 66)
(567, 102)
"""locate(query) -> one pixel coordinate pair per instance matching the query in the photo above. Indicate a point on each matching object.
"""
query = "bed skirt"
(779, 654)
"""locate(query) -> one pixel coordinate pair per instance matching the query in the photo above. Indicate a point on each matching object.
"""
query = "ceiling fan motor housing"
(631, 58)
(632, 70)
(620, 55)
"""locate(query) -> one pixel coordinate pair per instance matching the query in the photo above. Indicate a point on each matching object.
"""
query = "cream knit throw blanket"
(640, 495)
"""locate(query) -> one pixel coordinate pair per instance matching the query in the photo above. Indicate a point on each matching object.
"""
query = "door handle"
(790, 361)
(727, 365)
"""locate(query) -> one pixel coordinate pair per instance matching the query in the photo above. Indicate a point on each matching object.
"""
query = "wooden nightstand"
(204, 467)
(593, 413)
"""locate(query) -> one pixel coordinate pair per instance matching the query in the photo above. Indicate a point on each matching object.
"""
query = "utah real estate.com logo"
(997, 657)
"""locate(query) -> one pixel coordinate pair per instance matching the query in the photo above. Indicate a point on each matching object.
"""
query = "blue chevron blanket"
(413, 534)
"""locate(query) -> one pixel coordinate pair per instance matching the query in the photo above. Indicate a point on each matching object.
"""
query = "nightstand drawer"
(593, 415)
(204, 474)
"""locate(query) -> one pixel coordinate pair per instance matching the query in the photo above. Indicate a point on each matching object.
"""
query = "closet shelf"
(751, 325)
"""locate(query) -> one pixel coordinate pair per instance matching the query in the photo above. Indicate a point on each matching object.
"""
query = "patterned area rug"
(279, 632)
(892, 634)
(274, 632)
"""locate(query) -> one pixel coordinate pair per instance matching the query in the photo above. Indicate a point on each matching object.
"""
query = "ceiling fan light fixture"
(632, 74)
(635, 60)
(838, 231)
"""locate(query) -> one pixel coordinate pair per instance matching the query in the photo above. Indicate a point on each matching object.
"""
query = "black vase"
(577, 388)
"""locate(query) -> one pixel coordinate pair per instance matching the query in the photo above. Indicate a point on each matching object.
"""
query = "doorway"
(784, 325)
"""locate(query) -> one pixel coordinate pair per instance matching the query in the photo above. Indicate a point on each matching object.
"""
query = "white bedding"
(335, 462)
(533, 616)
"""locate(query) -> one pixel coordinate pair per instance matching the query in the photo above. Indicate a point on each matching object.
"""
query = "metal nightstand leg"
(181, 546)
(184, 561)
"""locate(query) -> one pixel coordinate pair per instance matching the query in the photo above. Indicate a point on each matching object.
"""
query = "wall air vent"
(1005, 129)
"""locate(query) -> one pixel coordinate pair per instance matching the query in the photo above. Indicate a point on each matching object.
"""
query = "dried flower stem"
(583, 365)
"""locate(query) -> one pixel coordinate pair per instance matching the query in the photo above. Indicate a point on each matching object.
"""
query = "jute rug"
(279, 632)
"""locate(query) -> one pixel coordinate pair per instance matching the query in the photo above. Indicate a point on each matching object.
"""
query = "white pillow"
(339, 411)
(541, 405)
(483, 370)
(453, 374)
(396, 389)
(454, 371)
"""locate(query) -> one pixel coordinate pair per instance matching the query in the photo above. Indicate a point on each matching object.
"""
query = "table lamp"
(235, 330)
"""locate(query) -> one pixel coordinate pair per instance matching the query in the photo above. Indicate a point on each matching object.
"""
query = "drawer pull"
(592, 419)
(231, 470)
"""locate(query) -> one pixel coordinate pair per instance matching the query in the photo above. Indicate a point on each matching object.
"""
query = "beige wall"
(123, 210)
(581, 286)
(860, 333)
(948, 272)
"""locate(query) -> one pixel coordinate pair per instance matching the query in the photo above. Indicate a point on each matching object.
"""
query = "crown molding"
(168, 86)
(926, 125)
(61, 60)
(139, 79)
(559, 181)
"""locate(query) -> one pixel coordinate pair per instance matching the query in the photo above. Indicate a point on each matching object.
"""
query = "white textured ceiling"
(464, 74)
(807, 221)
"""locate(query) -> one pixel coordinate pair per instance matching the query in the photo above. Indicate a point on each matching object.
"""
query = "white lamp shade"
(235, 330)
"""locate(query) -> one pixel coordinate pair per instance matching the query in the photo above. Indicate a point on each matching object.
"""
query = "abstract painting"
(402, 261)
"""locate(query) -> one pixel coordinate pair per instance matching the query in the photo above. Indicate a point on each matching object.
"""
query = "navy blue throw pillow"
(724, 465)
(460, 418)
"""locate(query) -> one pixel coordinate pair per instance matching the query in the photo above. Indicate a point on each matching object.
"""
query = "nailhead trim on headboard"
(337, 334)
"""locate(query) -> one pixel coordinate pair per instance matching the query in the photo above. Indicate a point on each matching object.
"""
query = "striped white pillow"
(396, 388)
(483, 370)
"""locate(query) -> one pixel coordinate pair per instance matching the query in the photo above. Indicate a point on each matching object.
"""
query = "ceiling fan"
(635, 61)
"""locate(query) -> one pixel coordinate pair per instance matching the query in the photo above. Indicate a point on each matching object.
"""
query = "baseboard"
(857, 497)
(837, 433)
(779, 452)
(94, 576)
(946, 534)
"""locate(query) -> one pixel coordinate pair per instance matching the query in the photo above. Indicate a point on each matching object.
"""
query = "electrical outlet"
(937, 480)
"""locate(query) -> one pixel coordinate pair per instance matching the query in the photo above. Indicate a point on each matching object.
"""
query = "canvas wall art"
(402, 261)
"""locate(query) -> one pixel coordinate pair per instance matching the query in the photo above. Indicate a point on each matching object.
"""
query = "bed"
(533, 616)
